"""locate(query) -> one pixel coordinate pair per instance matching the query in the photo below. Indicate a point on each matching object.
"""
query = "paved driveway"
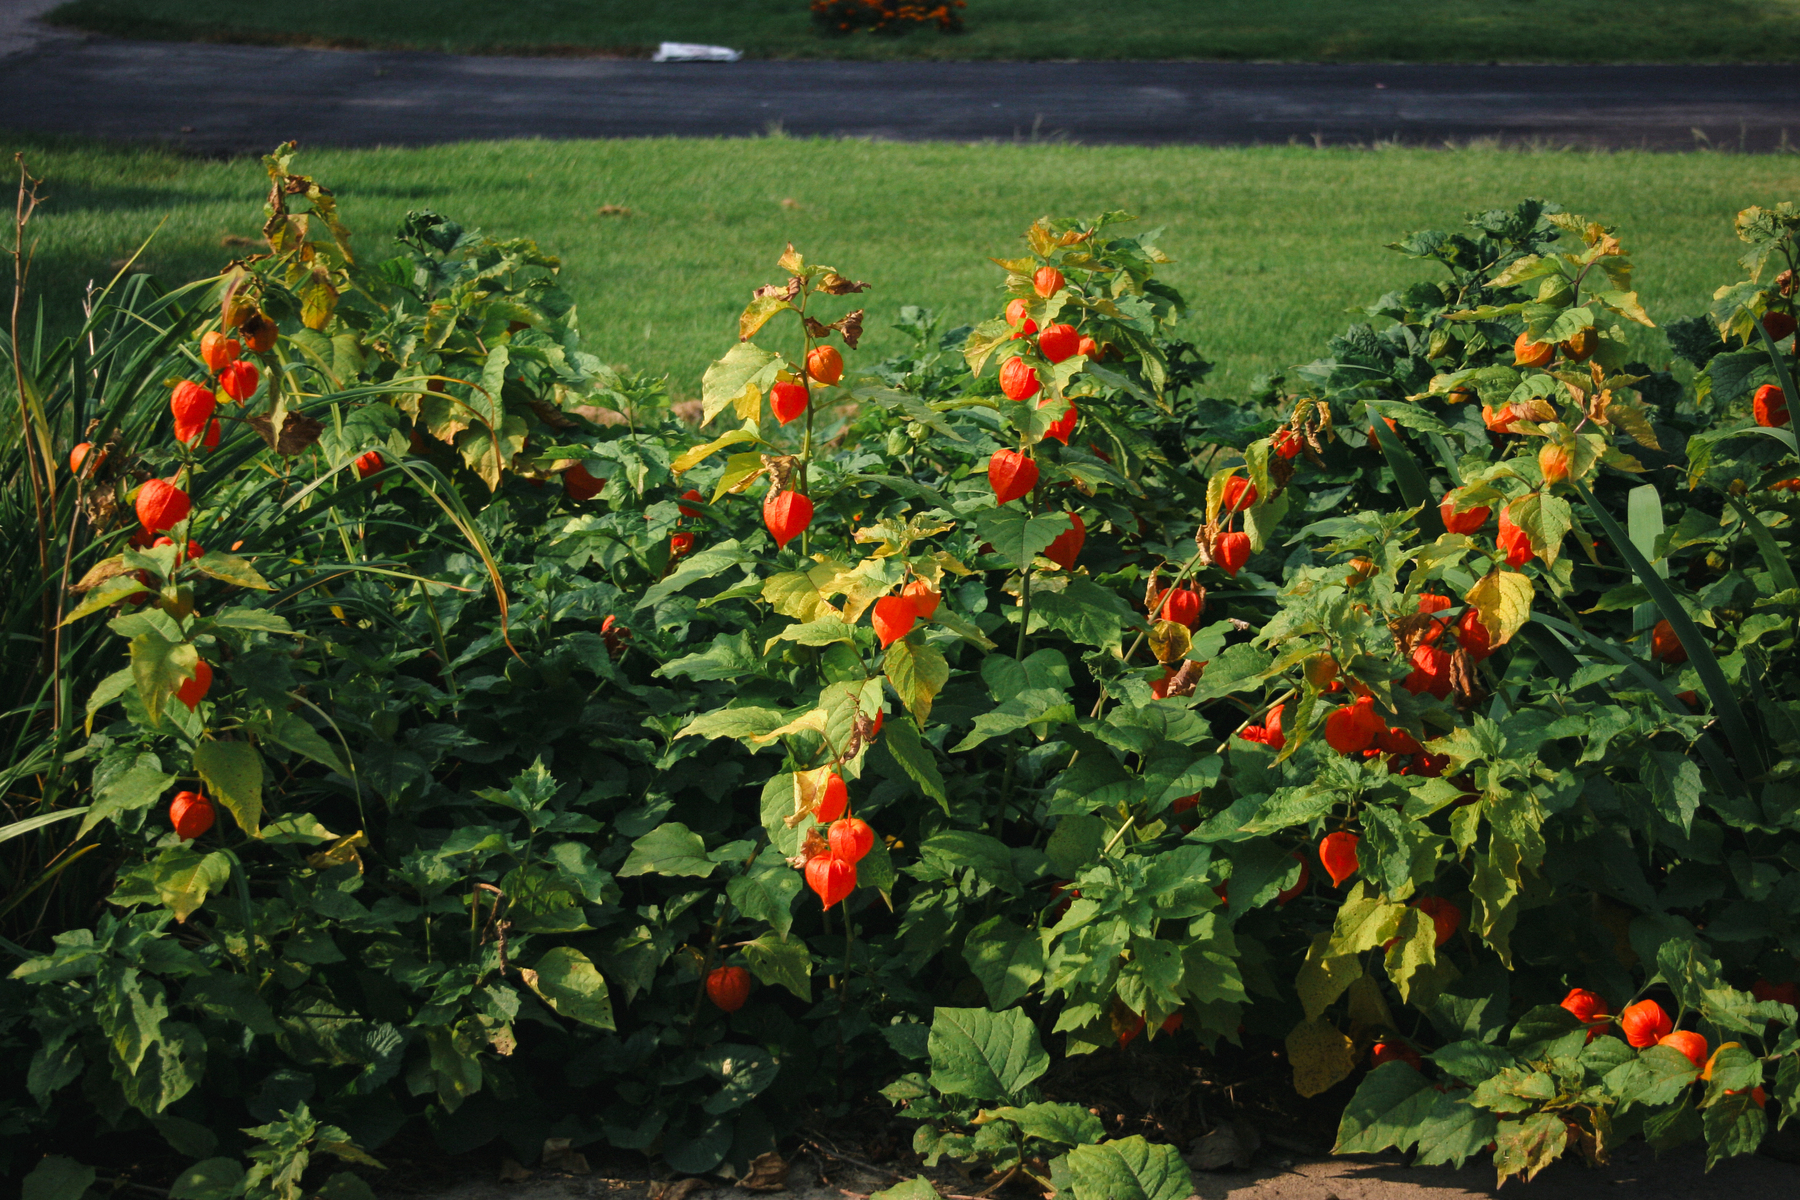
(218, 99)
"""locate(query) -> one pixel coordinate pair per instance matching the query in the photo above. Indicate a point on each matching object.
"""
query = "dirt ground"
(1635, 1173)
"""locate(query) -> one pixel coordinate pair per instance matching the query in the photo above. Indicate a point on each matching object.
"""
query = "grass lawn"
(1307, 30)
(1271, 245)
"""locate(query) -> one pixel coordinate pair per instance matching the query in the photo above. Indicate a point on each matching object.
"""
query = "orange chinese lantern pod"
(786, 514)
(1351, 728)
(1047, 281)
(1786, 485)
(1283, 898)
(1586, 1006)
(1527, 353)
(1688, 1043)
(1130, 1032)
(924, 598)
(1779, 325)
(1514, 542)
(1088, 347)
(1065, 548)
(825, 364)
(238, 380)
(788, 401)
(1473, 636)
(1468, 521)
(1287, 443)
(680, 544)
(1446, 918)
(1770, 406)
(834, 797)
(1337, 854)
(851, 838)
(194, 690)
(1059, 342)
(1064, 426)
(211, 440)
(1430, 673)
(1240, 494)
(1645, 1023)
(893, 618)
(161, 505)
(696, 497)
(1431, 602)
(1498, 420)
(1554, 463)
(1665, 646)
(579, 485)
(260, 333)
(191, 814)
(78, 457)
(1011, 474)
(370, 463)
(1015, 316)
(1018, 379)
(728, 988)
(193, 407)
(1269, 732)
(1581, 344)
(1182, 605)
(831, 878)
(1231, 551)
(219, 351)
(1382, 1053)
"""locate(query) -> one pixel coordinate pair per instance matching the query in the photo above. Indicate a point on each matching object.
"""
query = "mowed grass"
(1289, 30)
(1271, 246)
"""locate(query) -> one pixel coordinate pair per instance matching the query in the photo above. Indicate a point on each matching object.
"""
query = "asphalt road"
(224, 99)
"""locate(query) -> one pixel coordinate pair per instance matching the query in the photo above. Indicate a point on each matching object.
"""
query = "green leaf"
(1007, 958)
(183, 878)
(766, 891)
(916, 1188)
(138, 787)
(229, 568)
(743, 1070)
(744, 367)
(118, 588)
(986, 1056)
(293, 731)
(1734, 1125)
(1129, 1169)
(746, 722)
(1387, 1110)
(1657, 1076)
(567, 980)
(160, 667)
(214, 1179)
(918, 672)
(950, 850)
(1063, 1124)
(669, 849)
(1016, 537)
(57, 1178)
(1527, 1147)
(782, 963)
(233, 773)
(1089, 614)
(901, 737)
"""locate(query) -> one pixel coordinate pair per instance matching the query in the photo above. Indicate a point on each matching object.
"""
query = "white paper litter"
(693, 52)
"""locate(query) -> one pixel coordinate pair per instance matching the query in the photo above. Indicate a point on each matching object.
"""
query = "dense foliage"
(535, 771)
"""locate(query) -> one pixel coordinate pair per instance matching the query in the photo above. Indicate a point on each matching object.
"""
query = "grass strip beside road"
(1283, 30)
(1272, 246)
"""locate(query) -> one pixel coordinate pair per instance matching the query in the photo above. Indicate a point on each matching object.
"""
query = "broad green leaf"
(1089, 614)
(1018, 538)
(233, 773)
(213, 1179)
(747, 722)
(57, 1178)
(183, 878)
(669, 849)
(901, 738)
(745, 368)
(916, 1188)
(918, 672)
(985, 1056)
(1007, 958)
(1657, 1076)
(568, 982)
(1734, 1125)
(766, 891)
(744, 1071)
(1063, 1124)
(160, 667)
(138, 787)
(779, 962)
(1387, 1110)
(1129, 1169)
(229, 568)
(294, 731)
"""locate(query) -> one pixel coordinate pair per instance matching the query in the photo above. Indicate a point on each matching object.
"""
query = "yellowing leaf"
(1502, 599)
(813, 722)
(918, 672)
(795, 594)
(1321, 1056)
(697, 454)
(233, 773)
(1170, 641)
